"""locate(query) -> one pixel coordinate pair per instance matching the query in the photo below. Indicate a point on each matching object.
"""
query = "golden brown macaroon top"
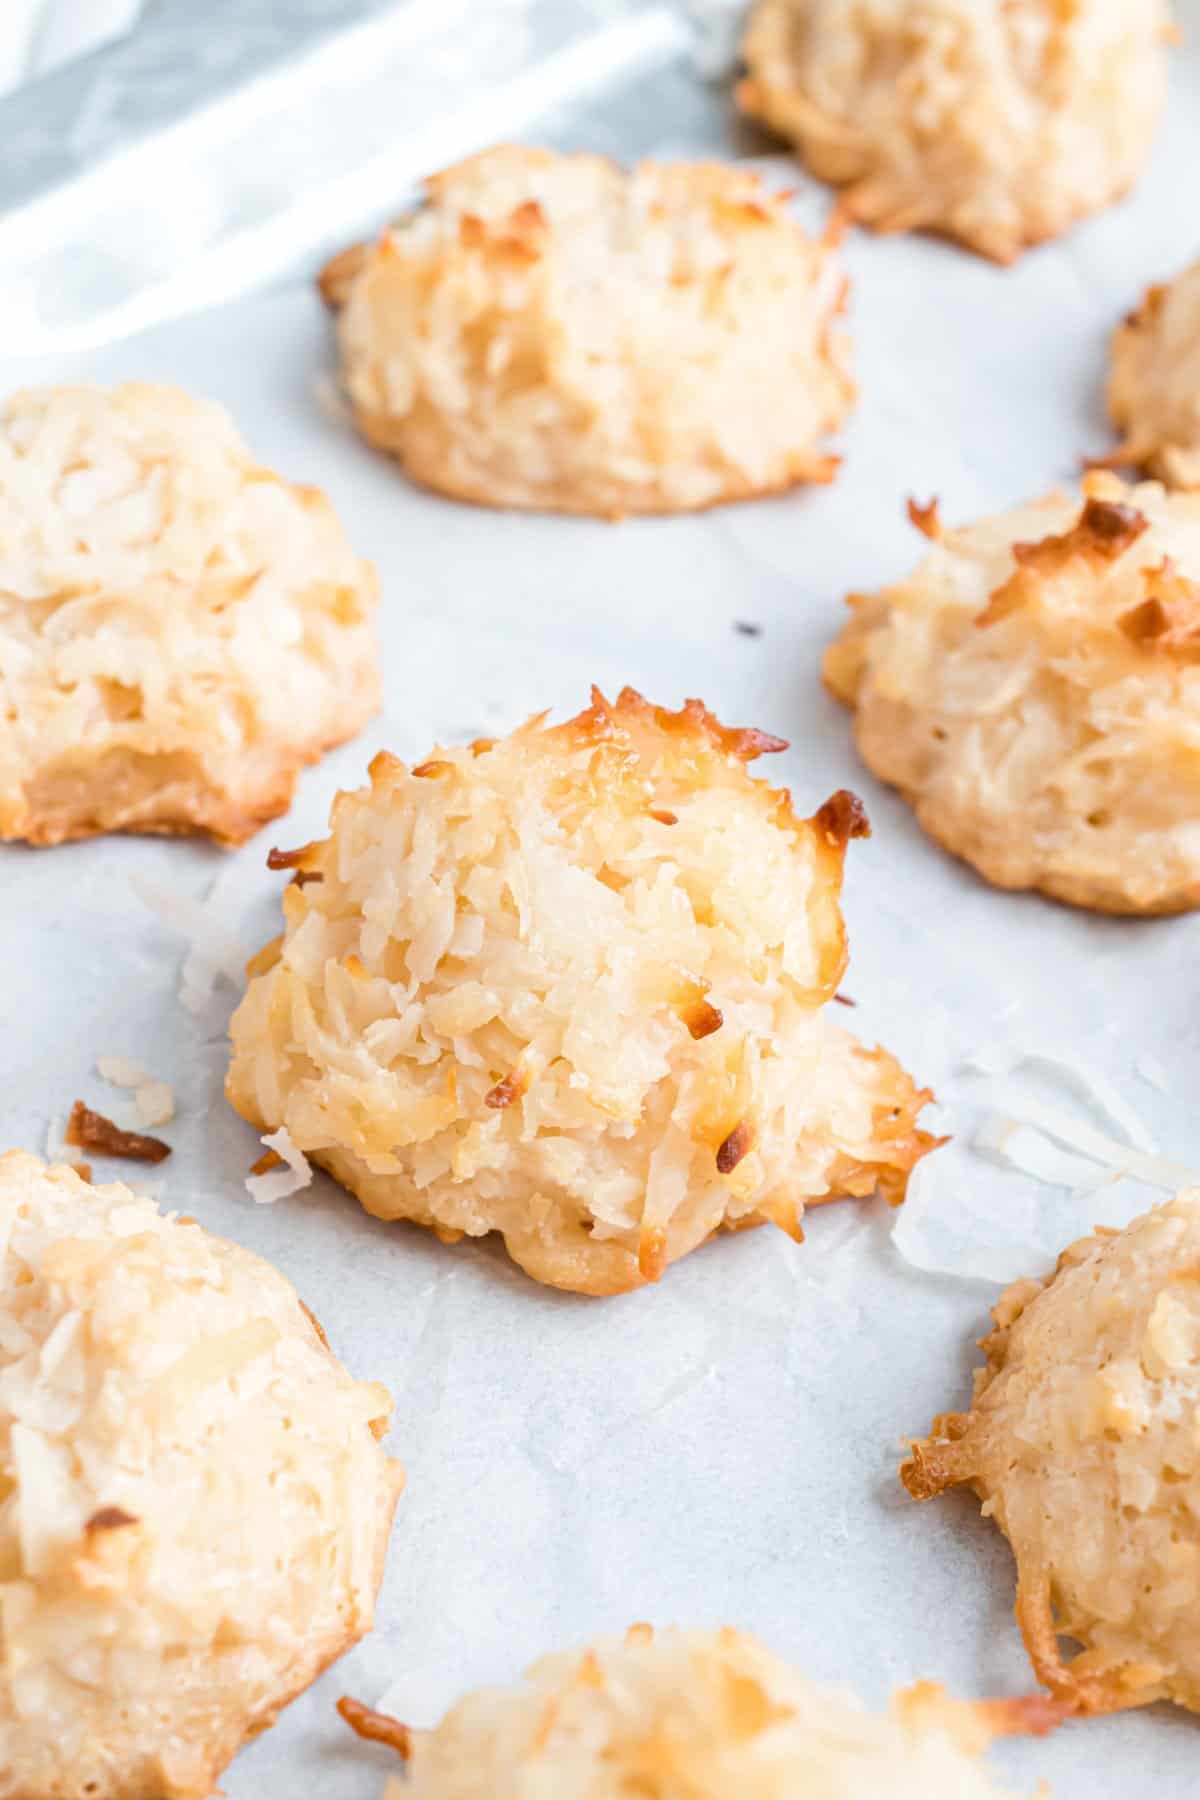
(573, 980)
(556, 332)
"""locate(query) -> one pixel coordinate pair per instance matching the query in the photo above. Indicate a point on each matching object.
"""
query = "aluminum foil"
(219, 144)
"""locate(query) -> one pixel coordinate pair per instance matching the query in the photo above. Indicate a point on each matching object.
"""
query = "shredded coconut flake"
(1096, 1089)
(264, 1190)
(1118, 1158)
(155, 1103)
(1021, 1147)
(934, 1234)
(121, 1072)
(214, 951)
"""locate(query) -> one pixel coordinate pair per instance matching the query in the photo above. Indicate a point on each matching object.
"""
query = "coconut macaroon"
(997, 122)
(1033, 689)
(1082, 1444)
(1154, 383)
(567, 986)
(552, 332)
(180, 630)
(195, 1505)
(696, 1715)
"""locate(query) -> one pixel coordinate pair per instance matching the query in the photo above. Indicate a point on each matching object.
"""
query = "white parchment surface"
(721, 1449)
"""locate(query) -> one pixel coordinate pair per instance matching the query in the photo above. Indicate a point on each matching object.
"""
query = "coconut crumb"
(214, 952)
(155, 1102)
(277, 1184)
(88, 1130)
(376, 1727)
(121, 1072)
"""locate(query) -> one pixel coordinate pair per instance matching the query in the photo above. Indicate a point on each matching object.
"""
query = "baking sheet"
(721, 1448)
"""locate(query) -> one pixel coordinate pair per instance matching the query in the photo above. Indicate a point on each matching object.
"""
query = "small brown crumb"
(109, 1518)
(83, 1170)
(435, 766)
(842, 817)
(845, 1000)
(270, 1159)
(925, 518)
(376, 1727)
(664, 815)
(738, 1144)
(302, 877)
(508, 1089)
(90, 1130)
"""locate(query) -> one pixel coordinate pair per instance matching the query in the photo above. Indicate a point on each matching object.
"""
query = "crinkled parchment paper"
(722, 1448)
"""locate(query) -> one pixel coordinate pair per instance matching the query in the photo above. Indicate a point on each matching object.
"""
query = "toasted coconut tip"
(288, 859)
(1105, 529)
(508, 1089)
(652, 1254)
(270, 1159)
(90, 1130)
(735, 1146)
(376, 1727)
(703, 1019)
(109, 1518)
(1111, 524)
(842, 817)
(934, 1463)
(925, 518)
(604, 719)
(1024, 1715)
(340, 273)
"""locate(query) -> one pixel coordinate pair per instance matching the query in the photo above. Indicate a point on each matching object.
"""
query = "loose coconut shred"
(281, 1170)
(1047, 1141)
(88, 1130)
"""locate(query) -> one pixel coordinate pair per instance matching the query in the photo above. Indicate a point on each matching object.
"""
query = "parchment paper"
(721, 1449)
